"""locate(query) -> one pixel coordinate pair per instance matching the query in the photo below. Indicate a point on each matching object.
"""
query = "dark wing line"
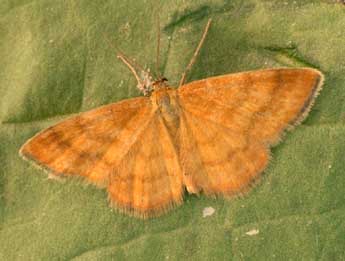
(206, 119)
(138, 133)
(29, 157)
(215, 88)
(294, 122)
(155, 125)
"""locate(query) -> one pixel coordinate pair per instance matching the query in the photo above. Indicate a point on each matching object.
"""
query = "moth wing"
(88, 145)
(230, 121)
(260, 103)
(216, 160)
(148, 179)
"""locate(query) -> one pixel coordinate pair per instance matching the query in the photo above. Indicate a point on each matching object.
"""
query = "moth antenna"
(132, 65)
(131, 61)
(158, 46)
(192, 61)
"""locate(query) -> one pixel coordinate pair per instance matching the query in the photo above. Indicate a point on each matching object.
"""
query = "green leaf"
(56, 61)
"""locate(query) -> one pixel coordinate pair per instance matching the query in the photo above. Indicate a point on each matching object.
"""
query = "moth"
(210, 136)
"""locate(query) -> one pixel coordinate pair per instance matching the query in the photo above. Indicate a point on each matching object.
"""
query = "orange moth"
(211, 136)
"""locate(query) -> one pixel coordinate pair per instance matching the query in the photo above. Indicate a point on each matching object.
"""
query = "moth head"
(160, 83)
(147, 85)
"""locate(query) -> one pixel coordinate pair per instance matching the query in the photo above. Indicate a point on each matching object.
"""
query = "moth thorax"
(165, 100)
(166, 104)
